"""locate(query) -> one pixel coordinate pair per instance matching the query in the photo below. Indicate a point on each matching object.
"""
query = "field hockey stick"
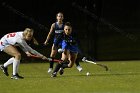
(89, 61)
(48, 59)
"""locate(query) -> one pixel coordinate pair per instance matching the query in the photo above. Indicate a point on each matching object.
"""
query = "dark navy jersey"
(58, 30)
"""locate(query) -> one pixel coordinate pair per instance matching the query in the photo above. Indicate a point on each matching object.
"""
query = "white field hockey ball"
(60, 50)
(87, 73)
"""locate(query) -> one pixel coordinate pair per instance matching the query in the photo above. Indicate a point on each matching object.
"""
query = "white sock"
(10, 61)
(18, 66)
(15, 66)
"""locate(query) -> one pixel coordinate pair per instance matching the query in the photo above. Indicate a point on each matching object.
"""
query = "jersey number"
(11, 35)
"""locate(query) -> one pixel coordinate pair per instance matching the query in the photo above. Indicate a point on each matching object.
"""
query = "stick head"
(84, 59)
(106, 68)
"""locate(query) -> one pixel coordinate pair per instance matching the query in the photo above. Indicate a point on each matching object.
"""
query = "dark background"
(107, 29)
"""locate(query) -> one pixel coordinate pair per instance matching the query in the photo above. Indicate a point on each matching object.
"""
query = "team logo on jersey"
(58, 31)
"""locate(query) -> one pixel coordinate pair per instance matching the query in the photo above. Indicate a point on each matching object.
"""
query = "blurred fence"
(107, 30)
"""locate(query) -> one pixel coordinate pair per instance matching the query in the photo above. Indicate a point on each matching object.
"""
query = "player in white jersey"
(7, 45)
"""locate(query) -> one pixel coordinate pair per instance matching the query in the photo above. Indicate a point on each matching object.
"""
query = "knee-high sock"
(57, 67)
(77, 62)
(18, 66)
(10, 61)
(51, 63)
(15, 66)
(65, 65)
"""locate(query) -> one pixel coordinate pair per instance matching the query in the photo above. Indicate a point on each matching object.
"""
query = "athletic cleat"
(4, 69)
(50, 70)
(16, 77)
(79, 68)
(54, 74)
(61, 71)
(21, 77)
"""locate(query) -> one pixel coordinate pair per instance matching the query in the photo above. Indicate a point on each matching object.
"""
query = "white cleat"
(50, 70)
(79, 68)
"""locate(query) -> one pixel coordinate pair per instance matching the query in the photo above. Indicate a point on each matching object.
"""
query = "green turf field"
(123, 77)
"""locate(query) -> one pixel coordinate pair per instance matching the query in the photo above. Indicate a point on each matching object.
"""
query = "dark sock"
(51, 63)
(65, 65)
(77, 62)
(57, 67)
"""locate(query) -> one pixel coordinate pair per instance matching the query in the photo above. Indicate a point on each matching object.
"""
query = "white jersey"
(16, 39)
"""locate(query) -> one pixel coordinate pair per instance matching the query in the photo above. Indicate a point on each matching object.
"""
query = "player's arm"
(35, 41)
(50, 33)
(75, 40)
(29, 51)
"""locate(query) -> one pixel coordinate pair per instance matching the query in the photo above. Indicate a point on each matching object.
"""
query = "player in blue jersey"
(70, 50)
(57, 28)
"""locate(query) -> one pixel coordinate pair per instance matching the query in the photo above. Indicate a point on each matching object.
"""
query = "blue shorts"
(71, 48)
(57, 42)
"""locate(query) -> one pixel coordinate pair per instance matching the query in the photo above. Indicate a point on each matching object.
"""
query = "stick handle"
(48, 59)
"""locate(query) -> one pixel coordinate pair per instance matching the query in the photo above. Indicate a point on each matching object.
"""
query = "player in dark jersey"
(70, 51)
(57, 28)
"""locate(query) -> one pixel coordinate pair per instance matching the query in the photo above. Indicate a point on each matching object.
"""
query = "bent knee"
(70, 65)
(17, 56)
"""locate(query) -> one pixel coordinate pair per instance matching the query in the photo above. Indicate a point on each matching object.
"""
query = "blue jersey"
(58, 34)
(70, 43)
